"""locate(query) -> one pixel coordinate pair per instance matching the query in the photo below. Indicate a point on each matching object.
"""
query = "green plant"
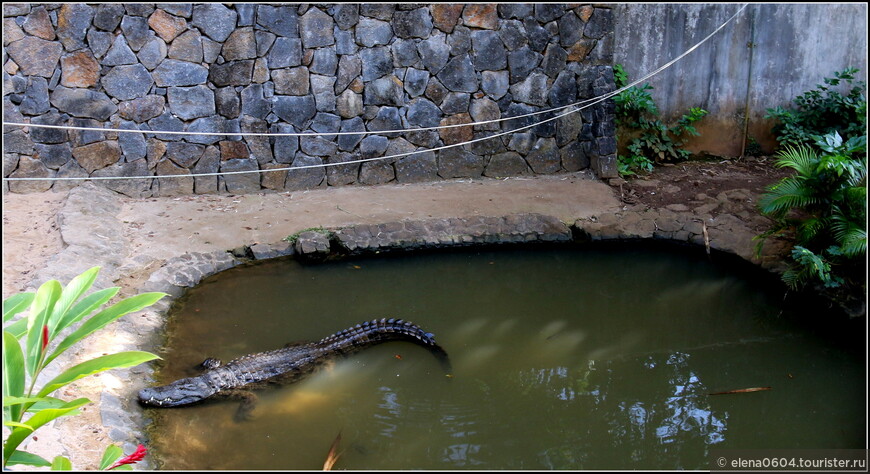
(652, 141)
(753, 148)
(822, 111)
(629, 165)
(292, 238)
(824, 204)
(31, 343)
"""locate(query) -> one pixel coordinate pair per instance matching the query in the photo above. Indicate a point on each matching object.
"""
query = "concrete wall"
(795, 47)
(290, 68)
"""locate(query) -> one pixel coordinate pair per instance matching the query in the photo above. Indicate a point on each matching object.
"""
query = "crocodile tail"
(377, 331)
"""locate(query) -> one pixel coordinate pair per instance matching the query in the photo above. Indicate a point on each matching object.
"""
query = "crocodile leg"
(246, 407)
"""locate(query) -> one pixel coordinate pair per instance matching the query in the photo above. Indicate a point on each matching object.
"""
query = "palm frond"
(790, 193)
(801, 159)
(854, 244)
(856, 196)
(809, 228)
(851, 235)
(793, 278)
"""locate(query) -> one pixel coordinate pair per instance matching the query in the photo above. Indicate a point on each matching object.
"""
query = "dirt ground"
(163, 227)
(682, 183)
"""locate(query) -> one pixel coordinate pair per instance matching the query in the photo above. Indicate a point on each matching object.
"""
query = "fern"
(809, 266)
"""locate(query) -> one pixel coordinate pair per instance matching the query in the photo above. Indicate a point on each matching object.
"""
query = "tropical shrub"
(34, 341)
(823, 111)
(824, 205)
(652, 141)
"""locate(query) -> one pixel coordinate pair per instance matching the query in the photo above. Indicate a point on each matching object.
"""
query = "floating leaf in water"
(333, 454)
(742, 390)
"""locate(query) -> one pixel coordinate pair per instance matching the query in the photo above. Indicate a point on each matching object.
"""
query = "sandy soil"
(167, 226)
(30, 236)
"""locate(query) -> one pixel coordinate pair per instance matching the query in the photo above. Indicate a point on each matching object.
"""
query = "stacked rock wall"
(279, 68)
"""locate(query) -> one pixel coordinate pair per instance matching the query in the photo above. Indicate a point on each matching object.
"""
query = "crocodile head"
(178, 393)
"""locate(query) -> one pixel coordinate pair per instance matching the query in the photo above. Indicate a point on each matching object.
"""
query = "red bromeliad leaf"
(131, 459)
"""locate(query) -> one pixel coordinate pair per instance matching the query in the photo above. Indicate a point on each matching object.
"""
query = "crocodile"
(238, 377)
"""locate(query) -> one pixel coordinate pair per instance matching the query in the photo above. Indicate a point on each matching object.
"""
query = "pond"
(590, 357)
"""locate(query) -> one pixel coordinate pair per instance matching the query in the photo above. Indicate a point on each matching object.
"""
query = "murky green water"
(563, 359)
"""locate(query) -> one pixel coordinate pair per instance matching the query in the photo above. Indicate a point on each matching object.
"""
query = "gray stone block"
(371, 32)
(416, 23)
(128, 82)
(458, 75)
(315, 29)
(119, 54)
(188, 103)
(281, 20)
(294, 110)
(215, 20)
(174, 73)
(188, 46)
(349, 142)
(232, 73)
(384, 91)
(302, 177)
(345, 15)
(489, 51)
(376, 62)
(434, 52)
(423, 113)
(83, 103)
(244, 182)
(35, 100)
(136, 31)
(286, 52)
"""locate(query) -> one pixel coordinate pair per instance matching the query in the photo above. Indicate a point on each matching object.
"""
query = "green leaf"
(101, 319)
(18, 328)
(34, 404)
(10, 401)
(93, 366)
(43, 303)
(27, 459)
(16, 304)
(15, 423)
(110, 455)
(61, 463)
(86, 306)
(19, 434)
(13, 374)
(73, 291)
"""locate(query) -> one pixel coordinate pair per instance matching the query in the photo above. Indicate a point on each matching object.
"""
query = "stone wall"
(301, 68)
